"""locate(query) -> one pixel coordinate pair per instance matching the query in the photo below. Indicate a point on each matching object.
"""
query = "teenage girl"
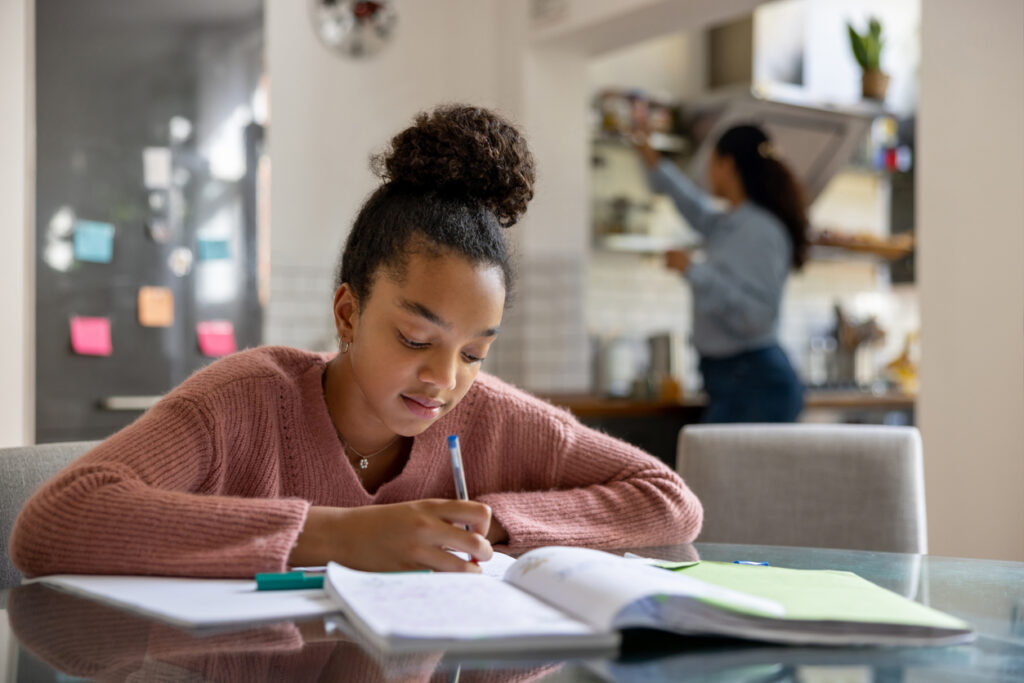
(737, 289)
(277, 457)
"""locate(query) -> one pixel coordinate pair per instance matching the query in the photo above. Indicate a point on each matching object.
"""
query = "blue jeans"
(753, 386)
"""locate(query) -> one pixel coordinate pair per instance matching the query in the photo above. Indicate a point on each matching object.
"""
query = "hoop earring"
(343, 346)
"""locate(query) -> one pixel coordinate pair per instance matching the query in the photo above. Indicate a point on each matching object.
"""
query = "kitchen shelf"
(633, 243)
(666, 143)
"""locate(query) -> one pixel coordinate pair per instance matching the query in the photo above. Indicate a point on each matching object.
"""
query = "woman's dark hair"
(768, 182)
(452, 181)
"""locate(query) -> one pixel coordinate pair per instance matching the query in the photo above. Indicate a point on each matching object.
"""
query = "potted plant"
(867, 49)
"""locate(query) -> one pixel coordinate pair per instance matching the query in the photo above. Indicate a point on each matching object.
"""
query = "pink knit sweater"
(216, 479)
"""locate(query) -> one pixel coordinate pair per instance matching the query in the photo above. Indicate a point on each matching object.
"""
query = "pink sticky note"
(91, 336)
(216, 337)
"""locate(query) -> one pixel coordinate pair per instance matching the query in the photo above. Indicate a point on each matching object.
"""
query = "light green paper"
(673, 565)
(821, 595)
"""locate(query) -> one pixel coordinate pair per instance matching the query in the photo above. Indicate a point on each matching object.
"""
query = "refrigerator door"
(145, 202)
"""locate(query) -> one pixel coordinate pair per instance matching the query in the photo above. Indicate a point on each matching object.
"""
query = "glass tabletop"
(55, 636)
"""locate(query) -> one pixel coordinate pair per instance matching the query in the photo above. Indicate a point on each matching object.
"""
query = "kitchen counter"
(653, 425)
(586, 406)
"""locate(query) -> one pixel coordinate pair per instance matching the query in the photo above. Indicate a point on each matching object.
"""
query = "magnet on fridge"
(216, 338)
(156, 307)
(94, 241)
(90, 336)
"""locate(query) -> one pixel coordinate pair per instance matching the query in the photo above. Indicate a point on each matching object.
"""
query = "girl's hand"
(496, 533)
(678, 259)
(397, 537)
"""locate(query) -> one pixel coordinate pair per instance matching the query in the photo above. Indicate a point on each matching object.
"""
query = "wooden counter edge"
(589, 406)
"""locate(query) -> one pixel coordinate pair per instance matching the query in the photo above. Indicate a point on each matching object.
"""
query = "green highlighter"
(297, 580)
(284, 581)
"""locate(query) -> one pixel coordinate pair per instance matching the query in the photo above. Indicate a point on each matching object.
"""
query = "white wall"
(598, 26)
(673, 65)
(16, 258)
(328, 113)
(970, 200)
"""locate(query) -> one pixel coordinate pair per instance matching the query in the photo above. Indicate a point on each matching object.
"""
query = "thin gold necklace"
(364, 458)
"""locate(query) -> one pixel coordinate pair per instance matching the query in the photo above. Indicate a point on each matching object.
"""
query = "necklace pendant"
(364, 463)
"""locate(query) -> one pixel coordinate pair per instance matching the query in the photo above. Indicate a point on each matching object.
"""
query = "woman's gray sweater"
(737, 288)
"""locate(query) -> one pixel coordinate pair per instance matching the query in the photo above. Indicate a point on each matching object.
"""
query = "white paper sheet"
(195, 603)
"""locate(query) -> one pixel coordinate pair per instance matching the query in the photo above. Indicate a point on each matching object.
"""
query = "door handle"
(117, 403)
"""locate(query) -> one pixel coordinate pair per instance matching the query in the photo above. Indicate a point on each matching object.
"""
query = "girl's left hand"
(677, 259)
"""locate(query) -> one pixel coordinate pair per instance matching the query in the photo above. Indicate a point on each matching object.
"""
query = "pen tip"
(453, 440)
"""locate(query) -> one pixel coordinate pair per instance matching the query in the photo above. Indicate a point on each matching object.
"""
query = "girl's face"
(416, 345)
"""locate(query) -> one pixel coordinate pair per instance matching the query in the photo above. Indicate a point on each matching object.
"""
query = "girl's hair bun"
(462, 151)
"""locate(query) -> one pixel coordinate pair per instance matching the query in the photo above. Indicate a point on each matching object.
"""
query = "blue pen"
(460, 476)
(751, 562)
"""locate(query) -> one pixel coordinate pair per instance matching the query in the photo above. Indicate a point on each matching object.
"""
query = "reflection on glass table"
(57, 635)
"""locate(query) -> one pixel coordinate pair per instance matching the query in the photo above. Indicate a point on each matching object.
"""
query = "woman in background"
(737, 288)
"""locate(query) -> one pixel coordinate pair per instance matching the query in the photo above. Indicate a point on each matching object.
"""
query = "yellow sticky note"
(156, 307)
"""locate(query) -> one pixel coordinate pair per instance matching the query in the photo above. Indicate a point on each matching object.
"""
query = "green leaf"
(857, 44)
(875, 28)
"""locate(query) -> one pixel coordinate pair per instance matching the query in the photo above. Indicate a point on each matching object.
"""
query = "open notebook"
(561, 598)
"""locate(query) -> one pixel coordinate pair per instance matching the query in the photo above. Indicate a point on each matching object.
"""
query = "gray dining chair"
(22, 471)
(829, 486)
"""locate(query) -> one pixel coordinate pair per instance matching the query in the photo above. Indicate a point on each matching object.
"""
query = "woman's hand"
(641, 141)
(397, 537)
(677, 259)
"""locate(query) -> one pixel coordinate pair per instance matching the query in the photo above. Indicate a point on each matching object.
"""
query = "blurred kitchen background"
(179, 177)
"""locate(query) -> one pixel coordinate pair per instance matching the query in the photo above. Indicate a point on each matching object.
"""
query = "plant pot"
(874, 83)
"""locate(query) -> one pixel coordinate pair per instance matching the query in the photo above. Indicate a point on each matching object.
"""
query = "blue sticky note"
(213, 249)
(94, 241)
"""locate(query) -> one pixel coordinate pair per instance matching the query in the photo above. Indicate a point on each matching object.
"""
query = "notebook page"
(494, 567)
(497, 565)
(595, 586)
(442, 605)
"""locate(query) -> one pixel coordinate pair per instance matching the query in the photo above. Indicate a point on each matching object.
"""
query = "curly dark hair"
(451, 182)
(769, 182)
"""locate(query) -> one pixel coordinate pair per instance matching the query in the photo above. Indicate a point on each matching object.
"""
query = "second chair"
(832, 486)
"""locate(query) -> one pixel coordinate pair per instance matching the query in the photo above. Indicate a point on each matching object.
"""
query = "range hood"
(814, 139)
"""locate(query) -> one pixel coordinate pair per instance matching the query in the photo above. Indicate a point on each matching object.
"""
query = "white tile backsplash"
(299, 311)
(543, 344)
(634, 297)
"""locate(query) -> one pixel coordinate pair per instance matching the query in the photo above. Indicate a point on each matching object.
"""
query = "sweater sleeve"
(695, 206)
(601, 492)
(145, 501)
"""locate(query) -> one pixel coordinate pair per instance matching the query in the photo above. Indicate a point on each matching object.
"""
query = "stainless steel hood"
(815, 140)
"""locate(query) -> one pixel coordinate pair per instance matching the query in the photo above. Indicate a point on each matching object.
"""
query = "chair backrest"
(22, 471)
(827, 486)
